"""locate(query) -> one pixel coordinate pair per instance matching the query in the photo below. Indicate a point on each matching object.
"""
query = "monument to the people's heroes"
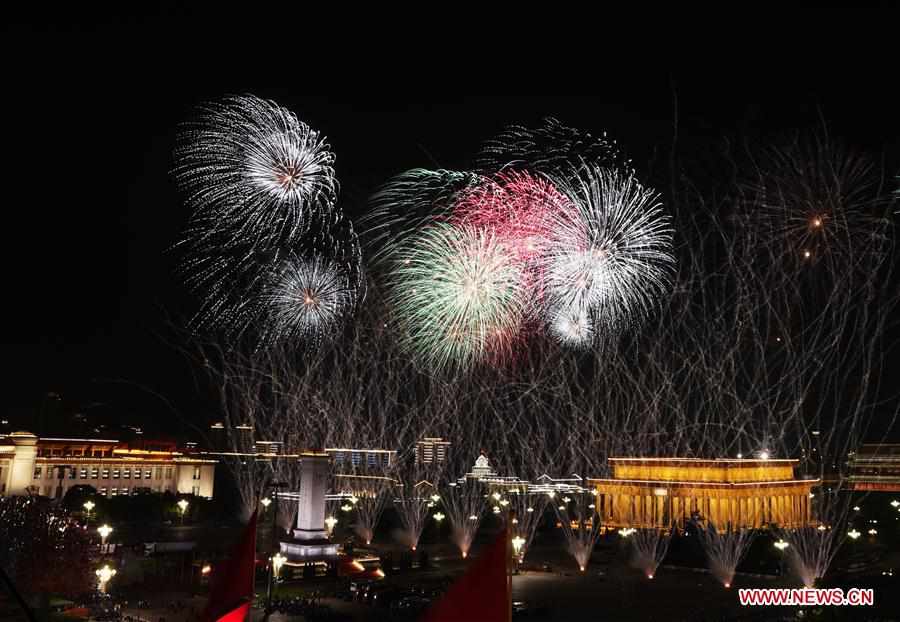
(310, 540)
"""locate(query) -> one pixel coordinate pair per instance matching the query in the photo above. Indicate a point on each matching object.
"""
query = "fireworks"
(252, 169)
(548, 149)
(262, 189)
(458, 293)
(724, 549)
(612, 262)
(307, 299)
(584, 255)
(407, 203)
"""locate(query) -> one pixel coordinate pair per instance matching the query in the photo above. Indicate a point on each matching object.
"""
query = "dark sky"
(91, 111)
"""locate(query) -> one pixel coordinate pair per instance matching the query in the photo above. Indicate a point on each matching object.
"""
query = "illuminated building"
(661, 492)
(356, 460)
(875, 467)
(432, 450)
(50, 466)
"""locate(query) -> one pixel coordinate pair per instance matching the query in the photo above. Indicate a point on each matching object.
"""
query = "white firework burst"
(251, 169)
(611, 259)
(307, 299)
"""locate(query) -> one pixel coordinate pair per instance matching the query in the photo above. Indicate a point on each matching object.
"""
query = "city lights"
(104, 531)
(781, 545)
(854, 534)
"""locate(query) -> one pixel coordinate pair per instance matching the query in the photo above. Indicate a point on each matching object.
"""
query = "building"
(50, 466)
(666, 492)
(875, 467)
(431, 450)
(365, 460)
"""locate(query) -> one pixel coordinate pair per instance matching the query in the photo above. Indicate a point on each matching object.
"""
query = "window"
(147, 473)
(94, 472)
(83, 473)
(158, 474)
(72, 472)
(356, 457)
(195, 491)
(137, 474)
(103, 491)
(170, 472)
(105, 473)
(113, 492)
(370, 459)
(196, 472)
(126, 473)
(37, 472)
(115, 473)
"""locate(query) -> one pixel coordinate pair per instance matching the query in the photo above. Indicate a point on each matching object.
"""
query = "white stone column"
(314, 470)
(21, 467)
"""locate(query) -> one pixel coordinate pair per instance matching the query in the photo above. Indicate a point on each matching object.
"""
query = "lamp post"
(518, 542)
(781, 545)
(277, 562)
(89, 507)
(273, 543)
(265, 503)
(183, 506)
(104, 531)
(104, 574)
(330, 522)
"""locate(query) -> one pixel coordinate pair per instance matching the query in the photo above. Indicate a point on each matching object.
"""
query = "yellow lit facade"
(665, 492)
(50, 466)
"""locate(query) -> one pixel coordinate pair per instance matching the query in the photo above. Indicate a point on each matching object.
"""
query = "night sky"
(91, 113)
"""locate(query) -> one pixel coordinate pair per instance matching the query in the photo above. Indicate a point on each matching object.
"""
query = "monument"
(310, 539)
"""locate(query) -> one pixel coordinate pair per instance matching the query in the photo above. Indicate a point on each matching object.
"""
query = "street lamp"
(517, 543)
(853, 533)
(89, 507)
(277, 562)
(781, 545)
(265, 503)
(104, 531)
(104, 575)
(438, 517)
(895, 503)
(183, 506)
(330, 522)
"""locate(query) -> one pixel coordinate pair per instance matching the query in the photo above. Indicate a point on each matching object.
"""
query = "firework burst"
(550, 148)
(307, 299)
(252, 170)
(407, 203)
(612, 262)
(458, 294)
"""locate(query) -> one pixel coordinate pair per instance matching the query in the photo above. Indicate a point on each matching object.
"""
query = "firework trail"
(724, 549)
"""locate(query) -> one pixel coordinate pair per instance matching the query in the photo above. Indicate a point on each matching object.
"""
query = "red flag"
(231, 593)
(480, 595)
